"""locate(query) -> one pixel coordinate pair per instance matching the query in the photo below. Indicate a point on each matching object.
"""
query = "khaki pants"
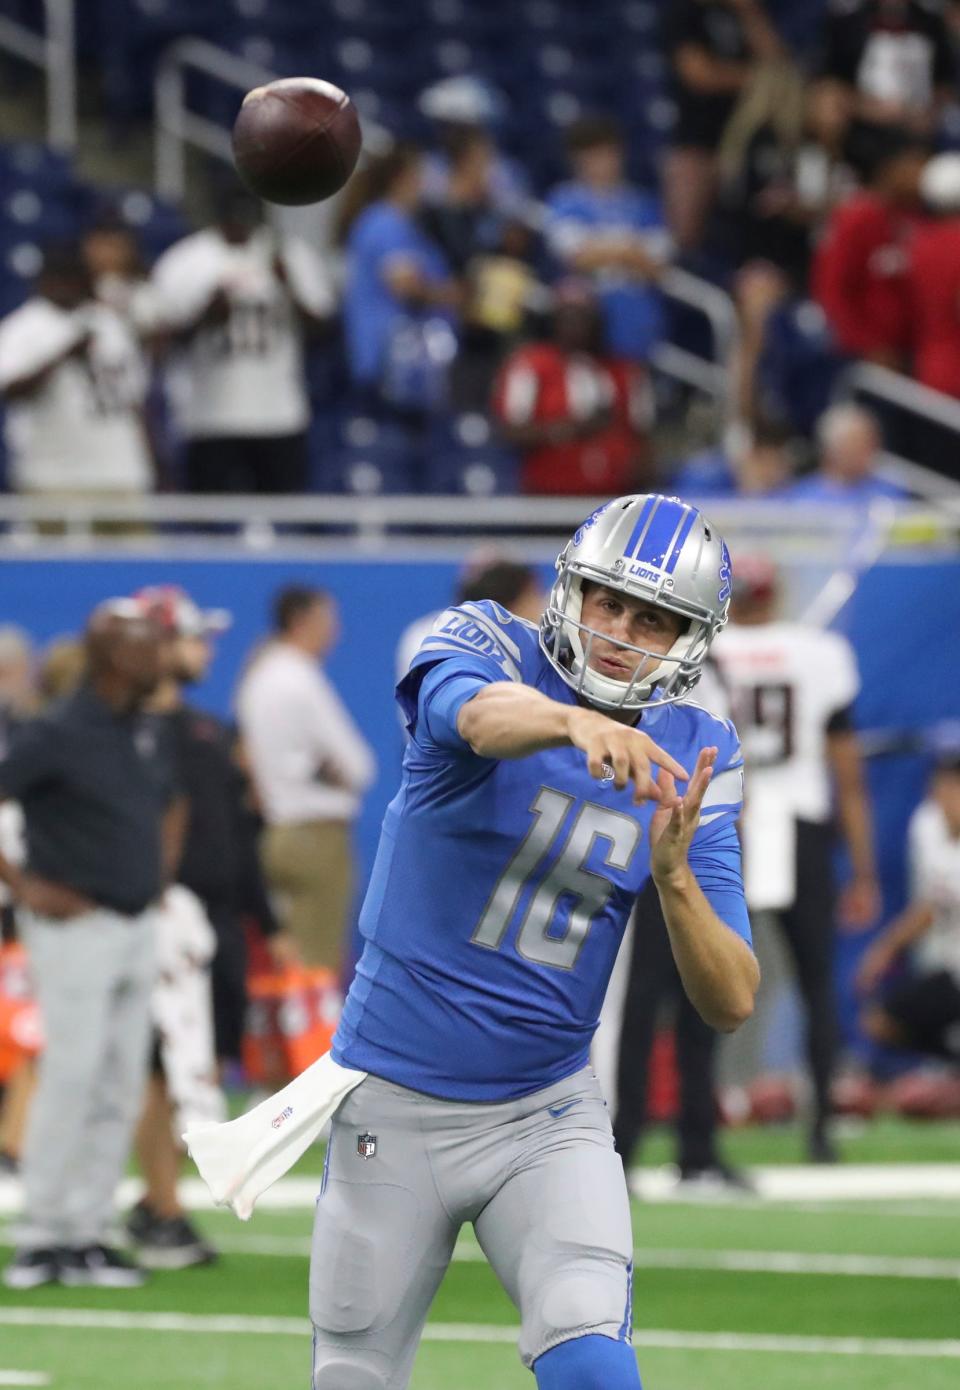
(310, 868)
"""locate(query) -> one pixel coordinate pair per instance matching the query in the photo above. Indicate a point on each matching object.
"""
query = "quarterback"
(550, 772)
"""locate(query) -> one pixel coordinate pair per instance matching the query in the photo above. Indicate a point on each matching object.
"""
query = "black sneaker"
(30, 1268)
(9, 1165)
(820, 1145)
(716, 1178)
(139, 1220)
(171, 1242)
(100, 1266)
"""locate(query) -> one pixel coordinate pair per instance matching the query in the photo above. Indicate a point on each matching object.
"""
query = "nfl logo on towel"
(366, 1145)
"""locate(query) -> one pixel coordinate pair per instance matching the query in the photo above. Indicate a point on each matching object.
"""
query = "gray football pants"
(93, 976)
(539, 1180)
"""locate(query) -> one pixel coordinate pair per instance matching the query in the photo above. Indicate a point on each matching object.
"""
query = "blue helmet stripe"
(635, 536)
(665, 523)
(685, 530)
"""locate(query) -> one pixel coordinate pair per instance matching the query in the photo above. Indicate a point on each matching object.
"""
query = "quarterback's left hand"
(677, 817)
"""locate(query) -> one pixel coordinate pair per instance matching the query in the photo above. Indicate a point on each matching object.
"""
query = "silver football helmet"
(654, 548)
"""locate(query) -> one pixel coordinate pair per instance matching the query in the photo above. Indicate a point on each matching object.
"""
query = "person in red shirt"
(580, 418)
(860, 274)
(935, 279)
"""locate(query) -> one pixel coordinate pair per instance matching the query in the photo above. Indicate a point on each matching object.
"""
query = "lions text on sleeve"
(502, 888)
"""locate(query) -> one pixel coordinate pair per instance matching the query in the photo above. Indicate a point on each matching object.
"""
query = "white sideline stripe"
(744, 1261)
(854, 1182)
(799, 1182)
(216, 1324)
(23, 1378)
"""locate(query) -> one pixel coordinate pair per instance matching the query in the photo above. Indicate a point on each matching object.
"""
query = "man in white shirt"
(238, 299)
(792, 688)
(310, 765)
(75, 383)
(924, 1013)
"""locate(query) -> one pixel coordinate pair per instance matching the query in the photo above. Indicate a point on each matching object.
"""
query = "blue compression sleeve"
(588, 1363)
(441, 696)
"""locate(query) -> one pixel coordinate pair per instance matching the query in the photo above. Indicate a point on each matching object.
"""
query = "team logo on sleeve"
(366, 1145)
(726, 574)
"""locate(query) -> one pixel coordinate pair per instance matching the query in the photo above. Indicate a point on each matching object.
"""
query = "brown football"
(296, 140)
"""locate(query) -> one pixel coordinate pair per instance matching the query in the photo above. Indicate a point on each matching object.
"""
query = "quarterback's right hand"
(625, 751)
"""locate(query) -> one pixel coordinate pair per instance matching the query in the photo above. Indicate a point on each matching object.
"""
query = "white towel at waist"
(239, 1160)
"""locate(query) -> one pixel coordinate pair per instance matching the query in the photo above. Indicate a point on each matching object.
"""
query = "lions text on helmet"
(673, 571)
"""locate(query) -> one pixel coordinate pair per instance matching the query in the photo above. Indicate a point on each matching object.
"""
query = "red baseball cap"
(177, 613)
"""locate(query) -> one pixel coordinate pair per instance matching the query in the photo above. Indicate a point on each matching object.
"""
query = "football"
(296, 140)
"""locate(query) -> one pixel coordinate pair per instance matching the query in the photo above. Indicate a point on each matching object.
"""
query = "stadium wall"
(903, 622)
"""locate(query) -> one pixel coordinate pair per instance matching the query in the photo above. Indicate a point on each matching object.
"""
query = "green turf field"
(753, 1296)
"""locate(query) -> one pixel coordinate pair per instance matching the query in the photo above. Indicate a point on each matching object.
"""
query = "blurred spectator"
(119, 274)
(503, 290)
(762, 467)
(580, 415)
(598, 225)
(781, 171)
(74, 383)
(923, 1014)
(238, 298)
(792, 688)
(399, 298)
(850, 444)
(62, 668)
(935, 279)
(515, 586)
(102, 826)
(199, 1004)
(462, 222)
(861, 269)
(18, 680)
(461, 106)
(713, 46)
(310, 765)
(886, 63)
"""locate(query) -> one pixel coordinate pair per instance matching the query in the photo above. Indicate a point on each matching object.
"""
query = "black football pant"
(653, 981)
(808, 927)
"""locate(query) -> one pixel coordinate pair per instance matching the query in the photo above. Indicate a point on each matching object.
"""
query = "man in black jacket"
(100, 804)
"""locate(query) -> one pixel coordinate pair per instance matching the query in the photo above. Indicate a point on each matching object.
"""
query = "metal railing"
(710, 376)
(54, 52)
(902, 391)
(176, 125)
(258, 523)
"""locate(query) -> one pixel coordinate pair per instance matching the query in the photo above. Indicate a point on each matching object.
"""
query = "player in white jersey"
(239, 297)
(74, 383)
(792, 686)
(924, 1013)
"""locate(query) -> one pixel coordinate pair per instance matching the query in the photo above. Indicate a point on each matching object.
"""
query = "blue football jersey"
(501, 888)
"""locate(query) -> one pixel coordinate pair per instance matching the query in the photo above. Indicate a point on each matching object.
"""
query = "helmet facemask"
(655, 549)
(673, 673)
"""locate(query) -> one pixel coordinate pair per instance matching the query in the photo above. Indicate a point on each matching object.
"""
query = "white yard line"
(851, 1183)
(24, 1378)
(218, 1325)
(745, 1261)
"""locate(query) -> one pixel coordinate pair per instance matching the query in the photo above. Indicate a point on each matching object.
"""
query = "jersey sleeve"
(714, 854)
(841, 667)
(469, 646)
(31, 760)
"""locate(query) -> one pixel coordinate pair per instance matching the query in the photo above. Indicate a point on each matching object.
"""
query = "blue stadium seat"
(368, 458)
(464, 456)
